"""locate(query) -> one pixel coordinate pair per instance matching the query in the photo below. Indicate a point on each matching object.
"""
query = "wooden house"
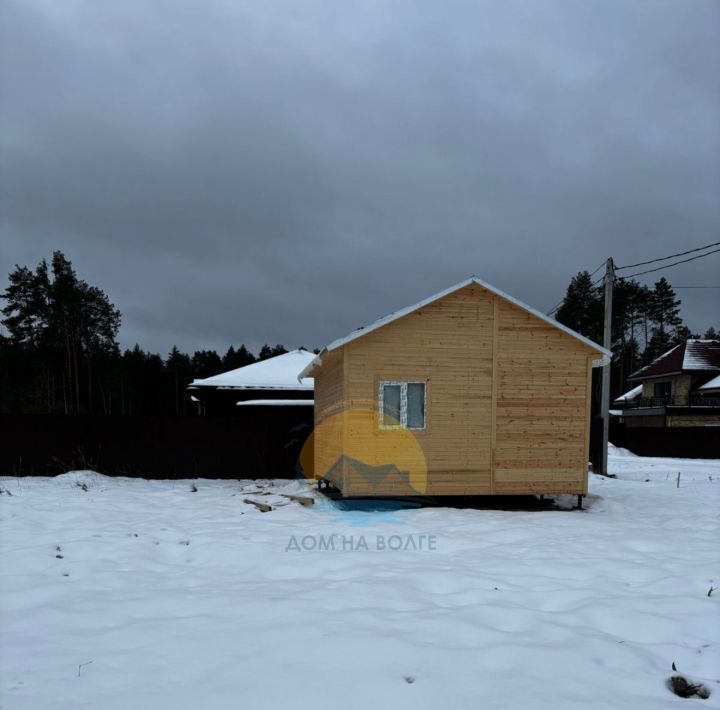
(468, 392)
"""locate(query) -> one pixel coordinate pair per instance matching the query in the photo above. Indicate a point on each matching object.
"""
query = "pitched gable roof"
(362, 331)
(630, 395)
(277, 373)
(690, 356)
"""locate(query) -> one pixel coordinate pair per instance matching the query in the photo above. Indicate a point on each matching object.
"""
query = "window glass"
(662, 389)
(416, 405)
(391, 405)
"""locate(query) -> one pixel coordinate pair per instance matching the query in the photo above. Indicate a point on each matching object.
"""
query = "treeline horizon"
(646, 322)
(61, 353)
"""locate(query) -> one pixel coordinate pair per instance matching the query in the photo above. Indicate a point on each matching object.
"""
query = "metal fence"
(687, 401)
(677, 442)
(263, 443)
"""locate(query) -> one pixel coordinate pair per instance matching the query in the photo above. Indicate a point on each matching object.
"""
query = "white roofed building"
(272, 382)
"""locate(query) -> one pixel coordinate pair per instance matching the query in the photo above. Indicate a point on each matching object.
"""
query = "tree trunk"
(90, 394)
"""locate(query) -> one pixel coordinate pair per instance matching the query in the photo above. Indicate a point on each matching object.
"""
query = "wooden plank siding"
(507, 408)
(448, 345)
(542, 407)
(328, 436)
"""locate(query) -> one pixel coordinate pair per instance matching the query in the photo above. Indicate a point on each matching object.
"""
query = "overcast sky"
(268, 171)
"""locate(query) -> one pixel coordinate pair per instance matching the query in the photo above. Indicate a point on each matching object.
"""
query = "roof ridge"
(696, 355)
(400, 313)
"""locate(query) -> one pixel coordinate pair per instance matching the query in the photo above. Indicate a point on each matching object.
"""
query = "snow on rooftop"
(702, 355)
(714, 384)
(692, 355)
(279, 372)
(634, 393)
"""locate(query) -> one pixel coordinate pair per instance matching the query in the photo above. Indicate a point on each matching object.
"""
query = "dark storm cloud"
(285, 171)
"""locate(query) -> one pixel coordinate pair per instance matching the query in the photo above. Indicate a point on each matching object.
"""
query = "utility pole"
(607, 343)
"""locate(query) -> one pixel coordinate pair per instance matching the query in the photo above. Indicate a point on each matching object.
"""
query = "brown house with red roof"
(678, 388)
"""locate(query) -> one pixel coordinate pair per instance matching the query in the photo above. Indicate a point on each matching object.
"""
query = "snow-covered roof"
(360, 332)
(692, 355)
(276, 403)
(634, 393)
(714, 384)
(276, 373)
(702, 355)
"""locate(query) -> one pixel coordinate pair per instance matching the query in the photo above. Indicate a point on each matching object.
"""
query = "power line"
(560, 302)
(650, 271)
(598, 269)
(668, 266)
(665, 258)
(556, 306)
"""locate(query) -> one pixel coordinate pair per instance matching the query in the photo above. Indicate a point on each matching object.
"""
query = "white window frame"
(403, 384)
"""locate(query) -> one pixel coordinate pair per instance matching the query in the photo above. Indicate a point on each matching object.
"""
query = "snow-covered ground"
(145, 594)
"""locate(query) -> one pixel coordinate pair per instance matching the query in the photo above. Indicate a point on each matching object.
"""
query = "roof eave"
(230, 388)
(673, 373)
(310, 367)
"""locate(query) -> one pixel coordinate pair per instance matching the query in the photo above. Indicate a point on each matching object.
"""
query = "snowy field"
(145, 594)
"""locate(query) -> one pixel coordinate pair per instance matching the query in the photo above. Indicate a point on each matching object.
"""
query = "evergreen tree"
(26, 309)
(629, 302)
(645, 322)
(267, 351)
(582, 307)
(26, 320)
(178, 371)
(205, 363)
(681, 334)
(711, 334)
(141, 383)
(64, 328)
(664, 314)
(237, 358)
